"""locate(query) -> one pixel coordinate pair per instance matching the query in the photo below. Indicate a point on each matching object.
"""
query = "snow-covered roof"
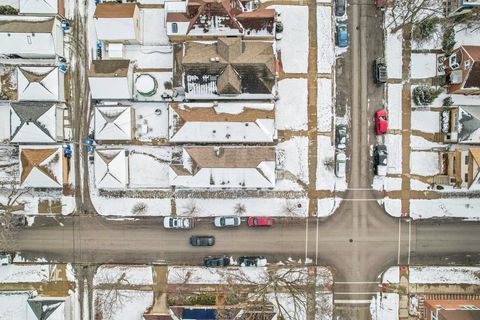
(38, 83)
(225, 167)
(33, 122)
(41, 166)
(115, 21)
(222, 122)
(110, 169)
(38, 6)
(113, 123)
(468, 124)
(109, 79)
(47, 308)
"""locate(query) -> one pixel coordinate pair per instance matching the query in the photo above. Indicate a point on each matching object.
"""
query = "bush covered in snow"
(448, 40)
(8, 10)
(424, 95)
(425, 30)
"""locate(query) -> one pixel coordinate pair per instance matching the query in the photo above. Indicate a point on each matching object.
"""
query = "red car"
(260, 221)
(381, 122)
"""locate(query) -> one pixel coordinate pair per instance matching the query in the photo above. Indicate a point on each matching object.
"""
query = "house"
(452, 309)
(40, 84)
(31, 37)
(36, 122)
(222, 123)
(462, 69)
(111, 79)
(51, 308)
(111, 169)
(41, 166)
(459, 8)
(462, 124)
(229, 68)
(224, 167)
(114, 123)
(118, 22)
(42, 7)
(208, 19)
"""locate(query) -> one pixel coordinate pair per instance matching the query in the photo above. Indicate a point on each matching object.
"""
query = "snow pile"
(423, 65)
(426, 121)
(325, 49)
(424, 163)
(466, 208)
(392, 275)
(394, 105)
(127, 275)
(444, 275)
(384, 306)
(295, 152)
(324, 105)
(394, 148)
(327, 206)
(291, 108)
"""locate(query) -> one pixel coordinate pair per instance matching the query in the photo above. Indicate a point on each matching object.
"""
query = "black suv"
(220, 261)
(380, 69)
(202, 241)
(380, 155)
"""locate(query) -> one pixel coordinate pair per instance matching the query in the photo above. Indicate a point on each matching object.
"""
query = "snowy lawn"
(392, 275)
(153, 26)
(444, 275)
(419, 185)
(294, 155)
(392, 184)
(16, 273)
(423, 65)
(131, 275)
(420, 143)
(465, 208)
(385, 306)
(434, 43)
(149, 125)
(4, 122)
(150, 57)
(324, 306)
(393, 55)
(294, 44)
(14, 304)
(291, 108)
(325, 42)
(424, 163)
(327, 206)
(203, 275)
(326, 179)
(394, 105)
(129, 304)
(127, 207)
(426, 121)
(394, 148)
(149, 166)
(392, 206)
(324, 105)
(466, 36)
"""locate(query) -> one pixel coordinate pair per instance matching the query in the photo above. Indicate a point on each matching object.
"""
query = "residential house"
(462, 69)
(111, 79)
(224, 167)
(41, 166)
(229, 68)
(111, 169)
(114, 123)
(36, 122)
(458, 8)
(222, 123)
(462, 124)
(51, 308)
(118, 22)
(42, 7)
(209, 19)
(31, 37)
(40, 84)
(452, 310)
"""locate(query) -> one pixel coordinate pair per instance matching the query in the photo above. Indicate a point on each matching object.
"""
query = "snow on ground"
(424, 163)
(125, 206)
(4, 121)
(149, 166)
(129, 304)
(162, 78)
(392, 184)
(150, 57)
(295, 157)
(91, 32)
(290, 306)
(419, 185)
(17, 273)
(291, 108)
(392, 206)
(423, 65)
(14, 304)
(458, 99)
(153, 22)
(324, 105)
(445, 275)
(203, 275)
(276, 207)
(465, 208)
(393, 55)
(420, 143)
(434, 43)
(131, 275)
(394, 148)
(426, 121)
(326, 179)
(327, 206)
(324, 306)
(392, 275)
(466, 36)
(394, 105)
(149, 125)
(325, 51)
(294, 44)
(385, 306)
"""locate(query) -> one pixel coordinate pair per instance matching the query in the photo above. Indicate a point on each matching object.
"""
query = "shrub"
(447, 102)
(424, 95)
(448, 40)
(8, 10)
(425, 30)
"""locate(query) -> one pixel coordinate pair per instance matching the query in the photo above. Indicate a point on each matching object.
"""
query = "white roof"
(175, 6)
(115, 29)
(113, 123)
(43, 129)
(42, 86)
(110, 169)
(109, 88)
(39, 6)
(41, 172)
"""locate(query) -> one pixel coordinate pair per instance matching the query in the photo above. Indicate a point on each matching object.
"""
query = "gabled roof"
(23, 24)
(113, 123)
(33, 122)
(41, 167)
(38, 83)
(39, 6)
(110, 168)
(114, 21)
(109, 79)
(115, 10)
(109, 68)
(468, 124)
(234, 157)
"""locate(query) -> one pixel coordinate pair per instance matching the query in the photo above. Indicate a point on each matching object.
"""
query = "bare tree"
(110, 296)
(240, 209)
(291, 207)
(191, 209)
(406, 13)
(139, 208)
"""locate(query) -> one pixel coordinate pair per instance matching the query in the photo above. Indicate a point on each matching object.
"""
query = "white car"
(230, 221)
(340, 164)
(178, 223)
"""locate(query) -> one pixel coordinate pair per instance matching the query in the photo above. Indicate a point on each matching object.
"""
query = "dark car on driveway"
(340, 8)
(202, 241)
(380, 155)
(252, 261)
(220, 261)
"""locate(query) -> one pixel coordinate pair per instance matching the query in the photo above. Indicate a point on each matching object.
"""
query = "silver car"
(178, 223)
(231, 221)
(340, 164)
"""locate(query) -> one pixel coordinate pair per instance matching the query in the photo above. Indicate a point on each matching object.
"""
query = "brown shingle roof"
(475, 154)
(177, 17)
(257, 14)
(26, 26)
(115, 10)
(473, 77)
(233, 157)
(108, 68)
(210, 115)
(473, 51)
(229, 82)
(32, 158)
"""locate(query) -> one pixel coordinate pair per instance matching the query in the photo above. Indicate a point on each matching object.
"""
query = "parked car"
(178, 223)
(340, 164)
(342, 35)
(232, 221)
(220, 261)
(202, 241)
(381, 122)
(5, 259)
(380, 156)
(339, 8)
(260, 221)
(380, 70)
(341, 136)
(252, 261)
(16, 221)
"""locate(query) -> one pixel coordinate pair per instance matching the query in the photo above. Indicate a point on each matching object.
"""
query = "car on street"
(380, 156)
(202, 241)
(219, 261)
(5, 259)
(260, 221)
(380, 70)
(339, 8)
(252, 261)
(178, 223)
(341, 136)
(230, 221)
(342, 35)
(340, 164)
(381, 122)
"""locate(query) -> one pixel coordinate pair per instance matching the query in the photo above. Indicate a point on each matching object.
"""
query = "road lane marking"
(399, 235)
(409, 239)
